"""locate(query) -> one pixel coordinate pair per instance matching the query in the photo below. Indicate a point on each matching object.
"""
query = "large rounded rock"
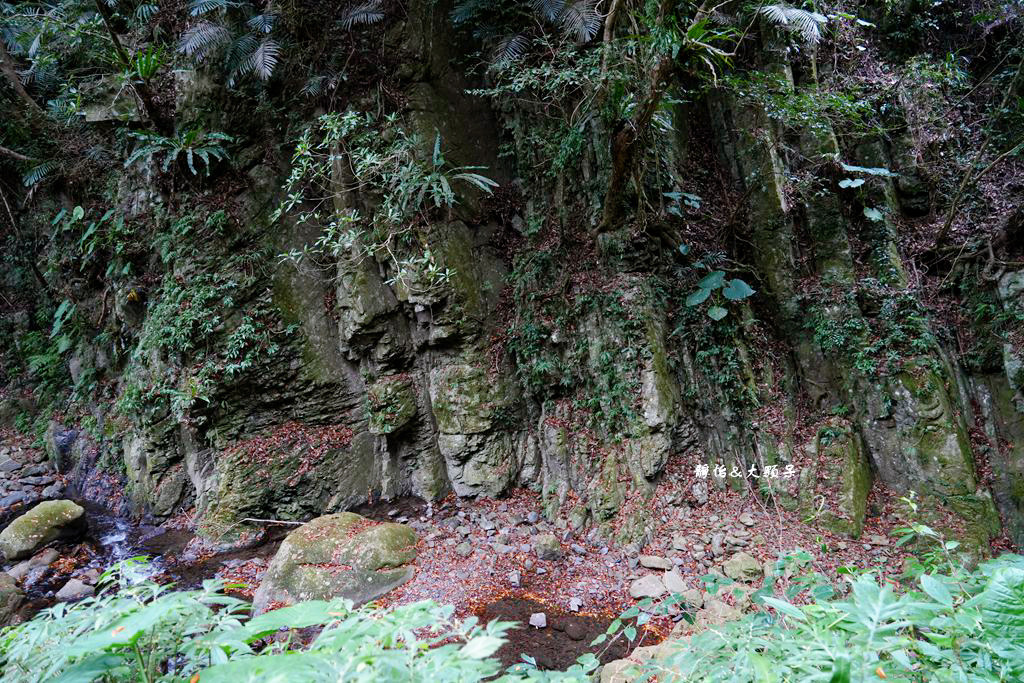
(46, 522)
(341, 555)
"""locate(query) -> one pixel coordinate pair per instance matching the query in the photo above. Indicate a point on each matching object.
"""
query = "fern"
(201, 40)
(807, 24)
(509, 49)
(549, 9)
(262, 60)
(581, 20)
(366, 13)
(39, 172)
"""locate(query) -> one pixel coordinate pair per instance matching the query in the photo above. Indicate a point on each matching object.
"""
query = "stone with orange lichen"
(340, 555)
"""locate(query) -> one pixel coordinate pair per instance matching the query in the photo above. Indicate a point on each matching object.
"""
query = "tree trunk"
(7, 66)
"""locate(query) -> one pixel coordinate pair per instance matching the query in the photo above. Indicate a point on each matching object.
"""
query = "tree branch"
(14, 155)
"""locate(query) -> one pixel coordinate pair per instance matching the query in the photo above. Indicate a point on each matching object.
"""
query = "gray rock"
(503, 549)
(14, 498)
(74, 590)
(464, 549)
(654, 562)
(746, 519)
(717, 548)
(742, 567)
(649, 586)
(55, 490)
(578, 549)
(532, 517)
(674, 582)
(9, 465)
(10, 599)
(514, 578)
(575, 604)
(700, 492)
(43, 480)
(547, 547)
(539, 620)
(43, 559)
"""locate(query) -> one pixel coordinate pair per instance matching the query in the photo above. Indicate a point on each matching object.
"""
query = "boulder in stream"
(340, 555)
(46, 522)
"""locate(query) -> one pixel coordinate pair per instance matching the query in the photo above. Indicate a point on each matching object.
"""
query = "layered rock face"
(568, 365)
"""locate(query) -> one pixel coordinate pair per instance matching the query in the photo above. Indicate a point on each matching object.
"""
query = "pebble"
(575, 604)
(578, 549)
(514, 578)
(539, 620)
(746, 519)
(532, 517)
(464, 549)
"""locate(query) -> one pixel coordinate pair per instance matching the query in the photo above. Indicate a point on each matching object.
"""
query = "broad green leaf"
(786, 608)
(698, 297)
(78, 213)
(736, 290)
(936, 589)
(717, 312)
(91, 668)
(481, 647)
(712, 280)
(846, 183)
(302, 615)
(873, 214)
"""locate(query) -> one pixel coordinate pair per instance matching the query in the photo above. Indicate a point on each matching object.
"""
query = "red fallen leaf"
(117, 630)
(194, 679)
(880, 673)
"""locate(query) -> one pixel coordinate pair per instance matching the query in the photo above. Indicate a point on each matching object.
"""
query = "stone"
(649, 586)
(679, 542)
(464, 549)
(514, 578)
(9, 465)
(539, 620)
(13, 499)
(746, 519)
(674, 582)
(742, 567)
(73, 590)
(575, 604)
(715, 612)
(547, 547)
(43, 524)
(717, 540)
(340, 555)
(53, 491)
(43, 559)
(10, 599)
(654, 562)
(532, 517)
(693, 598)
(578, 549)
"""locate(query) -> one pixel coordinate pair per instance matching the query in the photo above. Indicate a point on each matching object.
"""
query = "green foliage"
(234, 36)
(140, 631)
(949, 630)
(388, 163)
(714, 283)
(190, 145)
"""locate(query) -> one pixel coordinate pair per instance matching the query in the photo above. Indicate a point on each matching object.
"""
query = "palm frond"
(549, 9)
(581, 20)
(264, 59)
(200, 7)
(39, 172)
(262, 23)
(199, 41)
(508, 49)
(145, 12)
(807, 24)
(366, 13)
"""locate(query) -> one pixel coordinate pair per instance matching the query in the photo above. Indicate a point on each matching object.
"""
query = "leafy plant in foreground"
(146, 632)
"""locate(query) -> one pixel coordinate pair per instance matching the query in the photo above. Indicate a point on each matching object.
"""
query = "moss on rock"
(46, 522)
(340, 555)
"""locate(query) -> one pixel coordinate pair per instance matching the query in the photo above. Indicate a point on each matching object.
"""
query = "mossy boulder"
(46, 522)
(341, 555)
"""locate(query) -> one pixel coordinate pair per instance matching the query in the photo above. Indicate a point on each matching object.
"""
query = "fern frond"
(508, 49)
(39, 172)
(263, 59)
(549, 9)
(200, 7)
(262, 23)
(145, 12)
(807, 24)
(367, 13)
(199, 41)
(581, 20)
